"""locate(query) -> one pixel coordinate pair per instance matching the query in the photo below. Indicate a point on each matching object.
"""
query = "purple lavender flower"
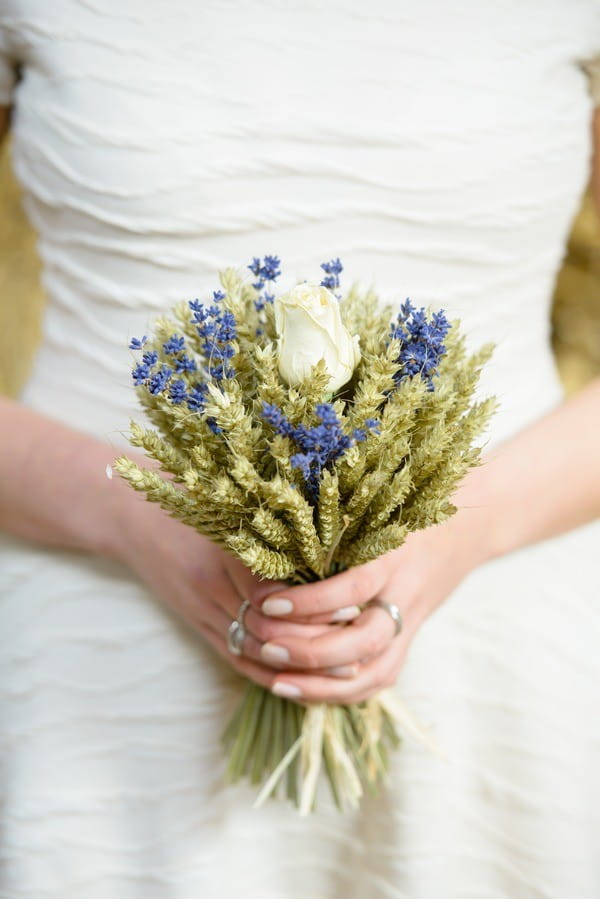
(332, 269)
(196, 398)
(277, 419)
(268, 270)
(218, 329)
(175, 344)
(263, 300)
(136, 343)
(143, 371)
(320, 445)
(422, 342)
(184, 363)
(140, 373)
(150, 357)
(178, 392)
(159, 380)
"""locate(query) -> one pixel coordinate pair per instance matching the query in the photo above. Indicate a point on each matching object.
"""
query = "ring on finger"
(392, 610)
(236, 632)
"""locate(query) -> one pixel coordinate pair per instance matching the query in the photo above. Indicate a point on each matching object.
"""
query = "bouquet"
(306, 432)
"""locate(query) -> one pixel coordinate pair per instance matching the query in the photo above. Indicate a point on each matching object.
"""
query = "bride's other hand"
(542, 482)
(54, 491)
(416, 578)
(206, 586)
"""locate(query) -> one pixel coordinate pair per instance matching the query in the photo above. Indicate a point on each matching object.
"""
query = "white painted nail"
(343, 671)
(348, 613)
(289, 691)
(276, 655)
(276, 605)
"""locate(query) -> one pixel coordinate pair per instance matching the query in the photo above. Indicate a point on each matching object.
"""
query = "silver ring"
(236, 633)
(392, 610)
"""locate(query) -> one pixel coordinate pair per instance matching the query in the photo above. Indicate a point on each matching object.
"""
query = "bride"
(440, 151)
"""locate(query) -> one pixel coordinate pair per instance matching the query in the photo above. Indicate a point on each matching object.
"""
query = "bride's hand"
(416, 578)
(206, 586)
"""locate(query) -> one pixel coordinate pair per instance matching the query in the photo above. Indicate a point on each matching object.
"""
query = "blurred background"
(576, 308)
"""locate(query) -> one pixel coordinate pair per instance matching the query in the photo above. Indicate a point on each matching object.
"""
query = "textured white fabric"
(440, 150)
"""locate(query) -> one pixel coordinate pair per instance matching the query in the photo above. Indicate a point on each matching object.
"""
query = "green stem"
(263, 736)
(239, 757)
(335, 544)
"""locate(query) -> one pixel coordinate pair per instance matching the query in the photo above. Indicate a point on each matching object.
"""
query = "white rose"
(309, 327)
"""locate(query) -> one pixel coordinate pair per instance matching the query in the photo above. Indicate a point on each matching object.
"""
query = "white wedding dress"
(440, 149)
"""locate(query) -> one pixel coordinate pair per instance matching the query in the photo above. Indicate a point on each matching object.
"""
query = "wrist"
(130, 523)
(474, 520)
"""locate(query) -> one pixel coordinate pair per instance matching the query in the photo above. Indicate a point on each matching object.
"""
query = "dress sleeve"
(8, 71)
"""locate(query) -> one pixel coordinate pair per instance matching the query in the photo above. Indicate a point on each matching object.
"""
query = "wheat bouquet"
(306, 432)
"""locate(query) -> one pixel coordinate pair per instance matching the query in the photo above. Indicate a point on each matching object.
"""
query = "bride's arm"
(52, 486)
(547, 479)
(54, 491)
(542, 482)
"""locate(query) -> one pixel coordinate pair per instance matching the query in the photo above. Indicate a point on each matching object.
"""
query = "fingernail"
(277, 606)
(343, 671)
(346, 614)
(277, 655)
(289, 691)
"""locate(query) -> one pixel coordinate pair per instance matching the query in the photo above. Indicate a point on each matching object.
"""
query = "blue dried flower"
(175, 344)
(373, 424)
(218, 329)
(212, 424)
(277, 419)
(332, 269)
(263, 300)
(268, 270)
(422, 342)
(178, 392)
(144, 370)
(159, 380)
(196, 398)
(184, 363)
(150, 358)
(140, 374)
(320, 445)
(136, 343)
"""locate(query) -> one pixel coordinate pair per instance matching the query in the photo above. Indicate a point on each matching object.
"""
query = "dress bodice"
(438, 149)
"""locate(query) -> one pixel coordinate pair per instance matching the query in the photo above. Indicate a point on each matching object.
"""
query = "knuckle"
(313, 601)
(367, 582)
(199, 573)
(362, 586)
(204, 583)
(374, 642)
(259, 590)
(357, 591)
(265, 630)
(310, 657)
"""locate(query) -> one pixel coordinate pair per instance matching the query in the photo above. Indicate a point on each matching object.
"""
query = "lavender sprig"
(422, 342)
(320, 445)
